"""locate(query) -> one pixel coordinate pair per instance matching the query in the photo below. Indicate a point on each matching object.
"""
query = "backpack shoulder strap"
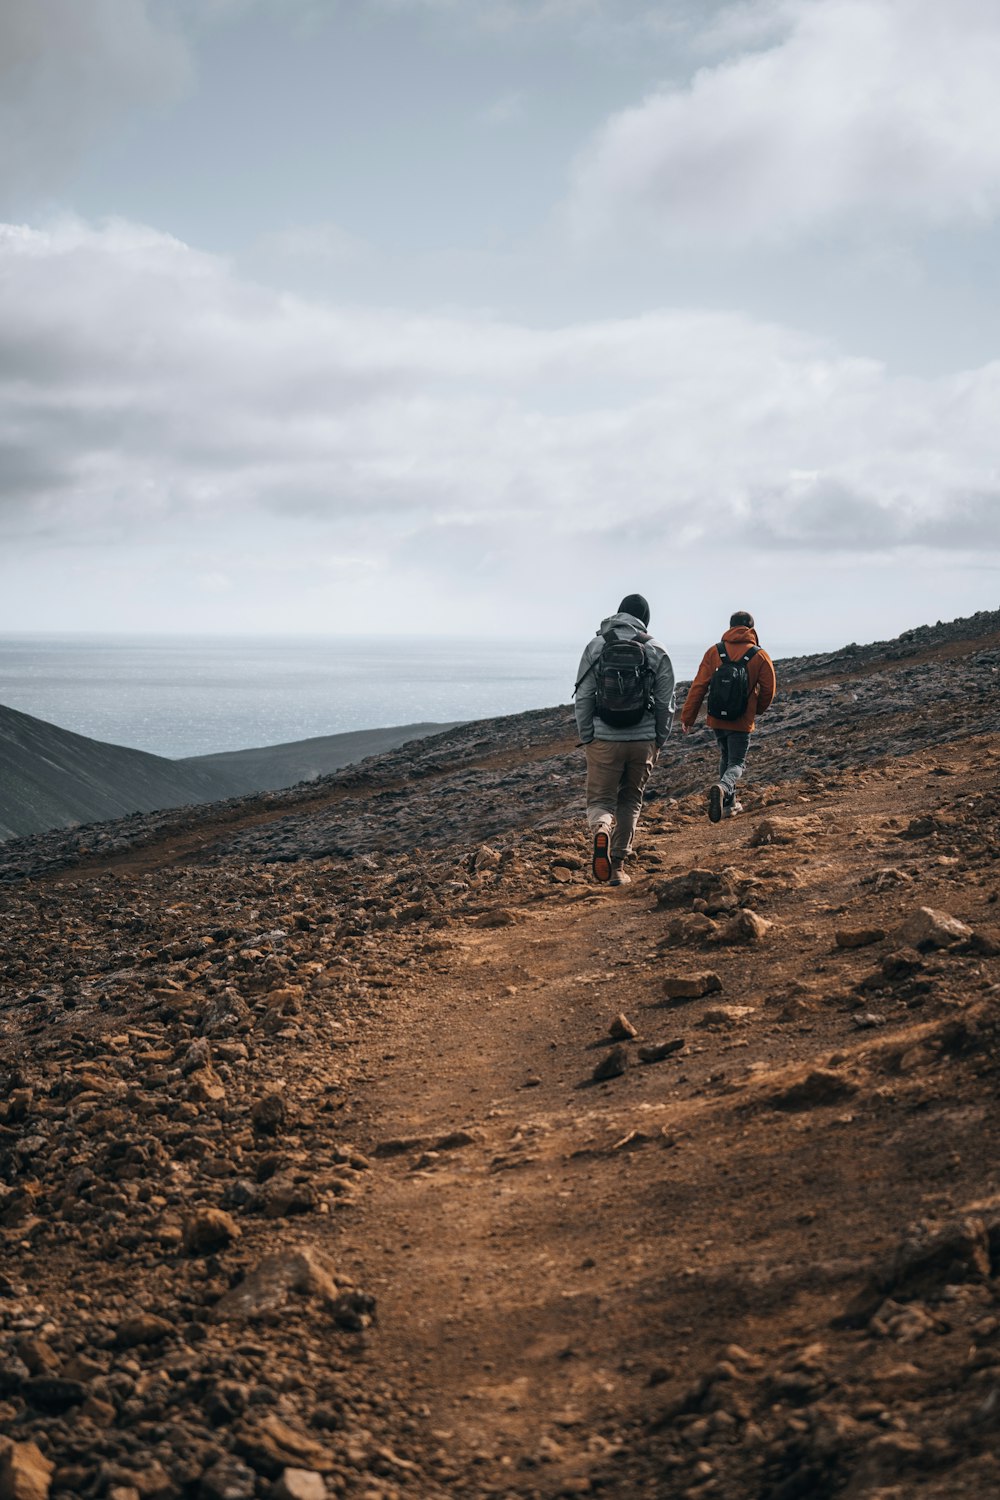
(721, 648)
(751, 653)
(593, 665)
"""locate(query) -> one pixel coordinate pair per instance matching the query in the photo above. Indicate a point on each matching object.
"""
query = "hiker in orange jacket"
(739, 678)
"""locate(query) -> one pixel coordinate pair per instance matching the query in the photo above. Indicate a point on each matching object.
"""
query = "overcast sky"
(381, 315)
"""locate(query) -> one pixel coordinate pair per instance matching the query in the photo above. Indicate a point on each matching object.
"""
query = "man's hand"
(685, 728)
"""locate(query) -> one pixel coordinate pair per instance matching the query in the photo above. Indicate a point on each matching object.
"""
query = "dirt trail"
(763, 1267)
(557, 1273)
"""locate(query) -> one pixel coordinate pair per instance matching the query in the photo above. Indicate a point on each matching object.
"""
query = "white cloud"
(67, 70)
(845, 116)
(152, 399)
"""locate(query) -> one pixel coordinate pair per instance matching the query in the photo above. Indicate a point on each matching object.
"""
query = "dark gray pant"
(733, 747)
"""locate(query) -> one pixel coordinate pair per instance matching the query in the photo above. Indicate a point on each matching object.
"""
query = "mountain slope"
(50, 777)
(269, 767)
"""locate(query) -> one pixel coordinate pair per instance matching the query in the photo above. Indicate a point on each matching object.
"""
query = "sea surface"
(178, 696)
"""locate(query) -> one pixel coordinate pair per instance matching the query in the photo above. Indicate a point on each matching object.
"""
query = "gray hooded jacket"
(654, 726)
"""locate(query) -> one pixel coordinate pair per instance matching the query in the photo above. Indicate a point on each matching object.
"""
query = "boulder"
(613, 1065)
(691, 927)
(746, 927)
(143, 1328)
(858, 937)
(927, 928)
(691, 986)
(267, 1288)
(621, 1029)
(209, 1230)
(654, 1052)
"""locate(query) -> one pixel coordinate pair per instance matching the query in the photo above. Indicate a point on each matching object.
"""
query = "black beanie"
(635, 604)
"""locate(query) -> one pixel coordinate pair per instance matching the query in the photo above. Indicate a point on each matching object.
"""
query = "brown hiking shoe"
(716, 794)
(602, 856)
(619, 875)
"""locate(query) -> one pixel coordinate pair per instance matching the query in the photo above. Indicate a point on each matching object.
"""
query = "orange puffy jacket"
(760, 670)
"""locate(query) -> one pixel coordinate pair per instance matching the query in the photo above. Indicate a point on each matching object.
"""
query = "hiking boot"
(716, 797)
(733, 810)
(619, 874)
(602, 855)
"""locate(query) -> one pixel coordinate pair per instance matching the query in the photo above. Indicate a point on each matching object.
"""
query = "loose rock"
(927, 928)
(611, 1066)
(691, 986)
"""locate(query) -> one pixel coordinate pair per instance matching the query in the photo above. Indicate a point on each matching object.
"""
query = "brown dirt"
(683, 1282)
(554, 1286)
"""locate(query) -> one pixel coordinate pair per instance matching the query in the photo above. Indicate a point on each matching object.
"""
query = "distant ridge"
(272, 767)
(53, 778)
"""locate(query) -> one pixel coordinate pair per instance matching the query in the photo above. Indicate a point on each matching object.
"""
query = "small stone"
(926, 928)
(455, 1140)
(143, 1328)
(25, 1473)
(52, 1393)
(229, 1479)
(726, 1015)
(691, 986)
(691, 927)
(399, 1145)
(283, 1197)
(776, 830)
(267, 1288)
(613, 1065)
(621, 1029)
(746, 927)
(858, 937)
(206, 1087)
(561, 874)
(209, 1230)
(655, 1052)
(958, 1251)
(272, 1445)
(269, 1114)
(300, 1484)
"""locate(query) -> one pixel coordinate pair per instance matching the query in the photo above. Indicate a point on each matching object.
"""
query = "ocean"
(178, 696)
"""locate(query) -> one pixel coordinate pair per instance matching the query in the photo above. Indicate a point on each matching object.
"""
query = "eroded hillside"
(309, 1187)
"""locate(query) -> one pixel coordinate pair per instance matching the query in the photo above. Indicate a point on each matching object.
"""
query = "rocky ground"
(353, 1142)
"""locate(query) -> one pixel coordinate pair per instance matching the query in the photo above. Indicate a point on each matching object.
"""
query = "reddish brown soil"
(676, 1283)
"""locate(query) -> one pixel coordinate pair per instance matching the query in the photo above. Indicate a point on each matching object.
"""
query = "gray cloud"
(178, 410)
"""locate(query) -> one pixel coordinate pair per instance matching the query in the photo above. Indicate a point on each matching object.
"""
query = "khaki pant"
(617, 772)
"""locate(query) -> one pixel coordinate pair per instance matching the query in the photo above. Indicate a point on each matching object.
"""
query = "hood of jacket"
(628, 624)
(741, 635)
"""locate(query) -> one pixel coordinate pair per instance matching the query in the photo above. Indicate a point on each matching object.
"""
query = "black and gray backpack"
(729, 690)
(623, 682)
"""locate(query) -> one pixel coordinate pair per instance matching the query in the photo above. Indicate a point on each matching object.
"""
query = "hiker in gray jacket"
(624, 713)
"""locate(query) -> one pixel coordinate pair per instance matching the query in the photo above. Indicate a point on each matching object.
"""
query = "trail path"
(566, 1262)
(763, 1267)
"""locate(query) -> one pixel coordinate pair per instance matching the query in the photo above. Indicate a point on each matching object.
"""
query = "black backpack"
(623, 677)
(729, 690)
